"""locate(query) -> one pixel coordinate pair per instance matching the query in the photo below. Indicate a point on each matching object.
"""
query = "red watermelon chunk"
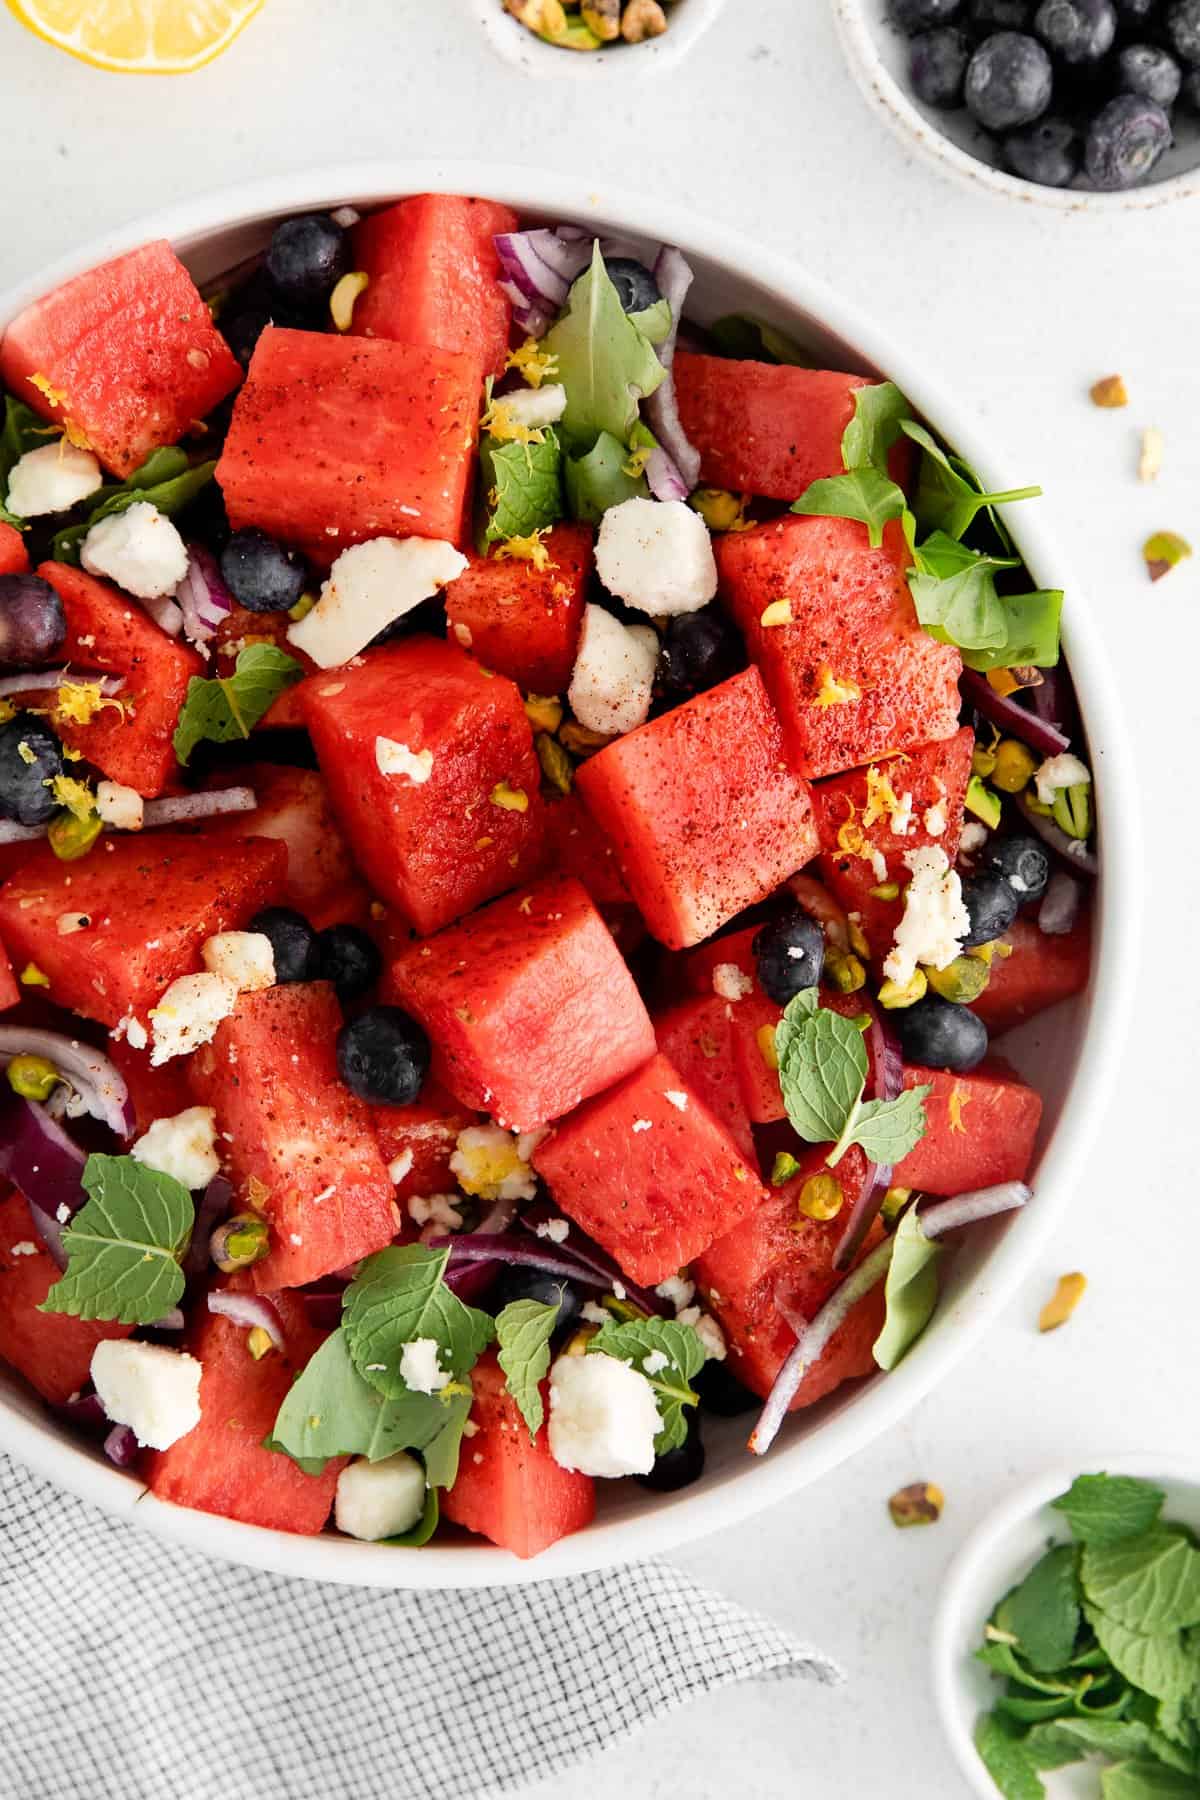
(439, 847)
(155, 1093)
(528, 1004)
(852, 622)
(762, 428)
(648, 1172)
(130, 741)
(338, 439)
(294, 807)
(419, 1140)
(150, 901)
(1041, 971)
(523, 620)
(697, 1037)
(128, 352)
(299, 1146)
(705, 815)
(577, 846)
(434, 275)
(509, 1488)
(51, 1350)
(221, 1465)
(935, 776)
(10, 993)
(981, 1130)
(14, 558)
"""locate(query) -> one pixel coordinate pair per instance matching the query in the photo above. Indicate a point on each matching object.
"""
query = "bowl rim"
(520, 49)
(1020, 1505)
(879, 1405)
(857, 34)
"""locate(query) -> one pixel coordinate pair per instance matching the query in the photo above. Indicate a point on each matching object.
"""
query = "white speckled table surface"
(1021, 309)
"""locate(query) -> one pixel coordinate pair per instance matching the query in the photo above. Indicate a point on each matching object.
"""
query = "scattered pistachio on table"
(1066, 1298)
(592, 24)
(1162, 551)
(920, 1503)
(1110, 390)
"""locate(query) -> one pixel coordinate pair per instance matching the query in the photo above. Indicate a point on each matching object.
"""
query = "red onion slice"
(185, 809)
(170, 1321)
(212, 1207)
(886, 1081)
(473, 1279)
(250, 1310)
(538, 268)
(1072, 850)
(973, 1207)
(1060, 905)
(46, 1164)
(97, 1081)
(674, 278)
(1009, 716)
(37, 681)
(203, 598)
(121, 1446)
(166, 614)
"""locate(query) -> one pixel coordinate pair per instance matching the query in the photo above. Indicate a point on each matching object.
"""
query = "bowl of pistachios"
(588, 38)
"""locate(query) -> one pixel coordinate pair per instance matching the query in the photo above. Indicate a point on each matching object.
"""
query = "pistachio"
(720, 510)
(1162, 551)
(1109, 391)
(509, 798)
(920, 1503)
(70, 838)
(544, 711)
(556, 764)
(1014, 766)
(258, 1342)
(1150, 457)
(779, 612)
(1072, 809)
(239, 1242)
(642, 19)
(580, 740)
(858, 942)
(1067, 1295)
(783, 1168)
(341, 301)
(821, 1197)
(887, 890)
(963, 980)
(603, 18)
(577, 1343)
(32, 976)
(981, 801)
(33, 1077)
(765, 1038)
(896, 994)
(846, 973)
(894, 1203)
(983, 761)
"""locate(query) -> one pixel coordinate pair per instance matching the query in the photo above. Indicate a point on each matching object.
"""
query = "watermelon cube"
(509, 1488)
(294, 807)
(298, 1144)
(338, 439)
(697, 1037)
(855, 813)
(10, 993)
(131, 739)
(125, 354)
(51, 1350)
(762, 428)
(221, 1465)
(853, 675)
(417, 1141)
(154, 1092)
(576, 846)
(150, 902)
(524, 620)
(705, 814)
(1041, 971)
(466, 827)
(434, 275)
(14, 559)
(981, 1130)
(648, 1172)
(537, 970)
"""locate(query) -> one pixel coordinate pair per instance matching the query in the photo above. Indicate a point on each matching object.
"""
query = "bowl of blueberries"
(1085, 104)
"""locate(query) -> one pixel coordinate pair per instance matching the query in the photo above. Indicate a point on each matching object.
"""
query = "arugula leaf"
(949, 493)
(22, 430)
(1042, 1612)
(442, 1451)
(634, 1340)
(599, 480)
(1146, 1781)
(1149, 1584)
(1159, 1665)
(398, 1296)
(863, 494)
(522, 486)
(1006, 1760)
(124, 1245)
(822, 1074)
(954, 592)
(910, 1291)
(1031, 623)
(419, 1534)
(605, 363)
(331, 1410)
(751, 339)
(654, 322)
(220, 709)
(1105, 1509)
(879, 411)
(166, 480)
(523, 1332)
(887, 1129)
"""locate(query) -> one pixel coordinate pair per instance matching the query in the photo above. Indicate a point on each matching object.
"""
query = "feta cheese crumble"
(655, 1363)
(139, 549)
(24, 1248)
(706, 1329)
(247, 958)
(530, 409)
(370, 586)
(379, 1499)
(435, 1209)
(488, 1163)
(731, 983)
(1058, 772)
(119, 806)
(603, 1416)
(155, 1391)
(656, 555)
(935, 819)
(183, 1146)
(554, 1229)
(188, 1015)
(612, 683)
(677, 1290)
(901, 822)
(413, 766)
(677, 1098)
(52, 479)
(973, 837)
(400, 1166)
(935, 918)
(420, 1370)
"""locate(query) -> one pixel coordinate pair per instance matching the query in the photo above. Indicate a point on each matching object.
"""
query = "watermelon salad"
(525, 822)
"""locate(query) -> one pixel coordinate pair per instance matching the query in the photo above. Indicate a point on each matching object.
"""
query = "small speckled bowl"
(689, 20)
(878, 57)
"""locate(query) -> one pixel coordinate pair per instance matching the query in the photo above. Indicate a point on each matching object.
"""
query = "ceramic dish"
(690, 19)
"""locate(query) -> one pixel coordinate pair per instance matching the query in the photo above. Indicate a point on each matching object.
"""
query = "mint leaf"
(124, 1245)
(605, 363)
(1159, 1665)
(398, 1296)
(862, 494)
(331, 1410)
(441, 1453)
(1149, 1584)
(1106, 1509)
(636, 1340)
(523, 1331)
(598, 480)
(910, 1291)
(886, 1130)
(222, 709)
(1003, 1660)
(1006, 1760)
(420, 1533)
(1146, 1781)
(879, 411)
(166, 480)
(751, 339)
(521, 485)
(822, 1067)
(22, 430)
(1072, 1738)
(1042, 1612)
(1033, 1711)
(949, 493)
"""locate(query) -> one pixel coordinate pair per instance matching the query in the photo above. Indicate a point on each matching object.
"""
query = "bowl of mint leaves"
(1067, 1644)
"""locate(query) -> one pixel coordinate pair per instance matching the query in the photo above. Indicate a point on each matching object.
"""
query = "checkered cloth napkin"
(139, 1671)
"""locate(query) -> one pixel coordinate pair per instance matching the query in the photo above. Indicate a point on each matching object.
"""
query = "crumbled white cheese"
(974, 837)
(555, 1230)
(183, 1146)
(603, 1416)
(612, 683)
(400, 1166)
(420, 1370)
(139, 549)
(656, 555)
(435, 1209)
(935, 819)
(731, 983)
(413, 766)
(370, 586)
(24, 1248)
(706, 1329)
(592, 1313)
(878, 862)
(68, 923)
(1058, 772)
(52, 479)
(678, 1290)
(676, 1098)
(247, 958)
(487, 1162)
(531, 407)
(655, 1363)
(642, 1125)
(119, 806)
(188, 1014)
(379, 1499)
(153, 1390)
(935, 918)
(901, 821)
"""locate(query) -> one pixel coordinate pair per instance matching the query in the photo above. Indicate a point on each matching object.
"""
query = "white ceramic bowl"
(1071, 1053)
(878, 57)
(998, 1553)
(689, 20)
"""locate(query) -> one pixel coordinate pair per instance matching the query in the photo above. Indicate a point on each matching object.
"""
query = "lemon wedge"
(143, 37)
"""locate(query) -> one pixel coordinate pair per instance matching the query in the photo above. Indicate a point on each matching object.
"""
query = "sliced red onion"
(973, 1207)
(12, 833)
(85, 1411)
(538, 269)
(170, 1321)
(886, 1082)
(674, 278)
(1060, 905)
(472, 1279)
(250, 1310)
(166, 614)
(50, 1232)
(97, 1081)
(583, 1249)
(1073, 850)
(46, 1164)
(213, 1206)
(1054, 702)
(203, 598)
(121, 1446)
(185, 809)
(37, 681)
(665, 481)
(1005, 713)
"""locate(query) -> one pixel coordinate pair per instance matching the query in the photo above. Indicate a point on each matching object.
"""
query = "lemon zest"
(76, 796)
(529, 549)
(78, 703)
(635, 463)
(532, 362)
(834, 692)
(498, 422)
(32, 976)
(955, 1106)
(882, 801)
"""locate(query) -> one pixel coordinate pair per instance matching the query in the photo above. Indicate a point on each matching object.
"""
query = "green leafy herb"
(1031, 623)
(606, 365)
(1150, 1584)
(1042, 1612)
(166, 480)
(751, 339)
(23, 430)
(1069, 1739)
(822, 1075)
(399, 1296)
(949, 493)
(1002, 1659)
(419, 1534)
(442, 1451)
(1146, 1781)
(599, 480)
(910, 1292)
(221, 709)
(1158, 1664)
(523, 1332)
(522, 486)
(954, 591)
(635, 1340)
(863, 494)
(879, 411)
(1006, 1760)
(124, 1246)
(331, 1410)
(1105, 1509)
(654, 322)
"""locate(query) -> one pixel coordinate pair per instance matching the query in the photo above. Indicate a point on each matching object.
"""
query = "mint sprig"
(167, 480)
(822, 1075)
(523, 1331)
(601, 479)
(125, 1245)
(1105, 1509)
(330, 1410)
(399, 1296)
(955, 594)
(675, 1355)
(22, 430)
(221, 709)
(879, 413)
(950, 495)
(521, 485)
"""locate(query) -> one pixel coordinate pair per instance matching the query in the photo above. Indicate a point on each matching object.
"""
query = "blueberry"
(991, 905)
(922, 15)
(30, 756)
(293, 941)
(307, 258)
(519, 1282)
(1009, 81)
(937, 66)
(1190, 92)
(1076, 32)
(1132, 14)
(426, 619)
(1046, 152)
(789, 954)
(676, 1469)
(999, 15)
(242, 331)
(1023, 862)
(722, 1393)
(1153, 73)
(261, 574)
(1183, 29)
(32, 622)
(635, 285)
(383, 1055)
(699, 650)
(348, 957)
(939, 1034)
(1125, 141)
